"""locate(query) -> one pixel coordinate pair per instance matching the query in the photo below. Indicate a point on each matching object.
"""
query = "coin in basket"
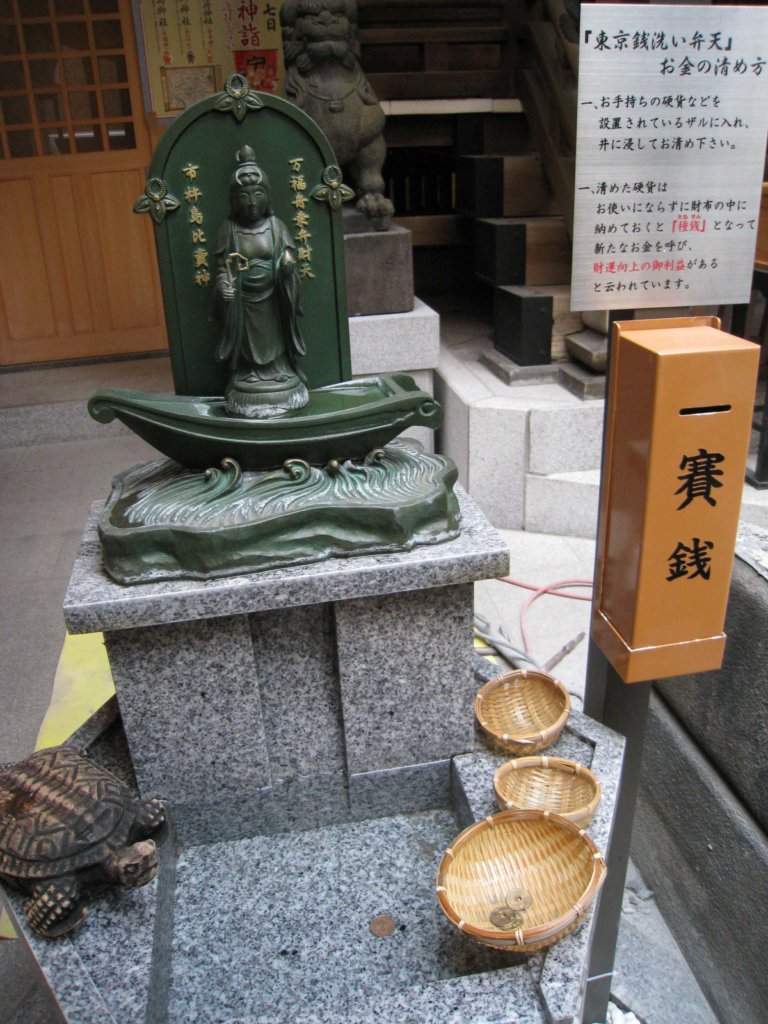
(505, 918)
(519, 899)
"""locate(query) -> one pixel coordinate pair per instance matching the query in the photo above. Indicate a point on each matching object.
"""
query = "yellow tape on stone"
(7, 927)
(83, 683)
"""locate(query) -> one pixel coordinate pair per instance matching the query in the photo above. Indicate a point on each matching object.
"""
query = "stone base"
(379, 271)
(233, 685)
(163, 522)
(522, 324)
(511, 373)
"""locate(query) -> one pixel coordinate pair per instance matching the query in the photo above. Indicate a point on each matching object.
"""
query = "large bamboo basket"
(535, 872)
(523, 711)
(544, 783)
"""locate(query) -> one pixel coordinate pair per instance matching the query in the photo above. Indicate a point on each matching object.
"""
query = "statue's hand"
(287, 263)
(227, 291)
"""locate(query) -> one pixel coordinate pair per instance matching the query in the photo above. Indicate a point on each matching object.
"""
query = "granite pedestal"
(233, 689)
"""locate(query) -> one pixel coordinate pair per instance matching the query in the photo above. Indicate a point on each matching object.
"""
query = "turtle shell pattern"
(60, 812)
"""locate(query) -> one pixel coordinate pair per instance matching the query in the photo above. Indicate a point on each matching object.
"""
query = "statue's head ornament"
(249, 172)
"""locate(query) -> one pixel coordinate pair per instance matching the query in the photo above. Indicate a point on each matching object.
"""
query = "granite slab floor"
(286, 936)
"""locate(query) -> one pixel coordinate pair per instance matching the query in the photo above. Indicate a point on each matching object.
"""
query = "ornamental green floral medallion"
(238, 98)
(332, 191)
(156, 201)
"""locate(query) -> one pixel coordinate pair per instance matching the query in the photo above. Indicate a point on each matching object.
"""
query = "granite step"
(527, 440)
(506, 434)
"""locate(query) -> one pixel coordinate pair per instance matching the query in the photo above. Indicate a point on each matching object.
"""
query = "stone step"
(503, 186)
(588, 347)
(505, 436)
(527, 448)
(522, 250)
(562, 503)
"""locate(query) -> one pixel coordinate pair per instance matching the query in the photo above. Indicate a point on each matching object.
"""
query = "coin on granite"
(505, 918)
(382, 925)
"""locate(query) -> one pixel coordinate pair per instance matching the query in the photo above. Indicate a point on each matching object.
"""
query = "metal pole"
(624, 708)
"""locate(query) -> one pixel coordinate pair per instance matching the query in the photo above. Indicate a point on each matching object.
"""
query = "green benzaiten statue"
(275, 456)
(257, 286)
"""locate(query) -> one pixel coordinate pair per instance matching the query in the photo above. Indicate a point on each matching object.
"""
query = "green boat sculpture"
(341, 421)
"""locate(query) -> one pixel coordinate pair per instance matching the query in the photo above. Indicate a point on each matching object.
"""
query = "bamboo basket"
(553, 784)
(523, 711)
(519, 880)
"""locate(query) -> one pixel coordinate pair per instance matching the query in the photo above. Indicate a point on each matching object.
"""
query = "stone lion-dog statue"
(324, 79)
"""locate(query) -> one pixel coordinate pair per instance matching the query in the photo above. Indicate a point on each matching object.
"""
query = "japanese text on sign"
(196, 219)
(673, 111)
(700, 478)
(301, 233)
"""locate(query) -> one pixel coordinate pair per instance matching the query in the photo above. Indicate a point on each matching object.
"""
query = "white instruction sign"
(672, 119)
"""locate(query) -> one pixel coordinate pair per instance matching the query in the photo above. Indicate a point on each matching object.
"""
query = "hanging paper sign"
(192, 46)
(672, 119)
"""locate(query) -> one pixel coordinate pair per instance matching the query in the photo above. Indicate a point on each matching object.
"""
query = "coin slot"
(704, 410)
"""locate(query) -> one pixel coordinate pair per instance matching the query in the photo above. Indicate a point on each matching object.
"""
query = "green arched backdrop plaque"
(187, 195)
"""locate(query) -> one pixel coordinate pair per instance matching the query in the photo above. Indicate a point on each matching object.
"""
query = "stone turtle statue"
(68, 825)
(324, 78)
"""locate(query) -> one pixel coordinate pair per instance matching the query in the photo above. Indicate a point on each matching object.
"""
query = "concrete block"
(453, 436)
(379, 271)
(457, 390)
(726, 711)
(522, 324)
(386, 343)
(425, 379)
(497, 459)
(565, 503)
(706, 859)
(486, 436)
(566, 439)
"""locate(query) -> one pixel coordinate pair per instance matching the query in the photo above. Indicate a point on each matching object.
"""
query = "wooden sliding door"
(78, 275)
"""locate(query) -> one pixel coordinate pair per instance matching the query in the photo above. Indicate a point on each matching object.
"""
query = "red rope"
(550, 588)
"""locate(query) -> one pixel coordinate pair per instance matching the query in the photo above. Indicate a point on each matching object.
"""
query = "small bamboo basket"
(523, 711)
(519, 880)
(553, 784)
